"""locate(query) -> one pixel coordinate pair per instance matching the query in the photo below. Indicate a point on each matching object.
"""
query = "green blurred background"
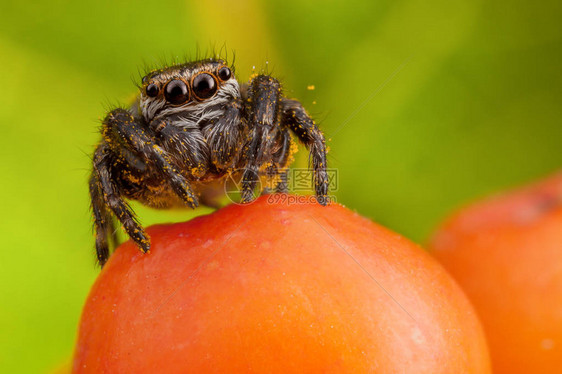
(428, 104)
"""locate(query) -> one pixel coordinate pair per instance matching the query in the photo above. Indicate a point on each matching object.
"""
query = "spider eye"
(204, 86)
(152, 90)
(224, 73)
(176, 92)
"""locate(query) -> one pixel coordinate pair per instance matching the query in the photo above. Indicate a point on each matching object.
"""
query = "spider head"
(187, 89)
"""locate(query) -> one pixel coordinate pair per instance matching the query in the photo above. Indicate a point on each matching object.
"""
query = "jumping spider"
(191, 125)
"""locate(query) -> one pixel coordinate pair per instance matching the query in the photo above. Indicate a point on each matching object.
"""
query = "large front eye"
(204, 86)
(176, 92)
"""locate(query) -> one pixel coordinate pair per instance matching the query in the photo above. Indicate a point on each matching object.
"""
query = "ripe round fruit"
(506, 253)
(277, 288)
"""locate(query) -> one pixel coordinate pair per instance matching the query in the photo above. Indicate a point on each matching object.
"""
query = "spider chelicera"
(191, 125)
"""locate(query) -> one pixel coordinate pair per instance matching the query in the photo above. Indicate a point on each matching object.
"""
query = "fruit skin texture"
(506, 253)
(271, 288)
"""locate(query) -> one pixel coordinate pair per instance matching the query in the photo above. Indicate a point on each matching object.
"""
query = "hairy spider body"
(192, 125)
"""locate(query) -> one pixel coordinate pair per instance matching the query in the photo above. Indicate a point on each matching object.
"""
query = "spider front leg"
(103, 221)
(281, 159)
(121, 127)
(295, 117)
(104, 191)
(277, 172)
(264, 93)
(123, 134)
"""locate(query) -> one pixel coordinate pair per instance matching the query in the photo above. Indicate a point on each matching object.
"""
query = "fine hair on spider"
(191, 125)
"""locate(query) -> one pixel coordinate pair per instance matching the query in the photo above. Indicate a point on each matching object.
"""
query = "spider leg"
(263, 105)
(295, 117)
(281, 158)
(103, 221)
(277, 172)
(250, 179)
(109, 192)
(113, 234)
(121, 126)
